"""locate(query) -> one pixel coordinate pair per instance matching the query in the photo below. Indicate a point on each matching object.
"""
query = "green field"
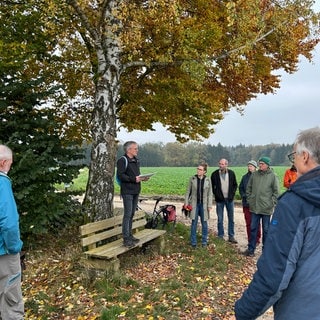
(172, 181)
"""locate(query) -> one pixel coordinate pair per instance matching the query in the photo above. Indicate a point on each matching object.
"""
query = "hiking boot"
(129, 243)
(232, 240)
(134, 239)
(248, 253)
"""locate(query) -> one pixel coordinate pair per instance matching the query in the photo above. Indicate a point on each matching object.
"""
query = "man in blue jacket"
(11, 301)
(287, 275)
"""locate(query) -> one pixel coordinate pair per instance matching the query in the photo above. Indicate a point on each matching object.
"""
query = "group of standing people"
(259, 190)
(287, 276)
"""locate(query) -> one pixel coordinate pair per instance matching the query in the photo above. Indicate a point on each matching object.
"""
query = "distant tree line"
(187, 155)
(176, 154)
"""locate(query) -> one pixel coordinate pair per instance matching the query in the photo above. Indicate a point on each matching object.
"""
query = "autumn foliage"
(134, 63)
(184, 283)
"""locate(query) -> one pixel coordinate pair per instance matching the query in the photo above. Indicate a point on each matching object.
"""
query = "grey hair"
(5, 152)
(225, 160)
(309, 140)
(127, 145)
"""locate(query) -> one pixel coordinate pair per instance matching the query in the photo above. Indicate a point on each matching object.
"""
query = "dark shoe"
(134, 239)
(129, 243)
(248, 253)
(204, 245)
(233, 240)
(194, 246)
(221, 238)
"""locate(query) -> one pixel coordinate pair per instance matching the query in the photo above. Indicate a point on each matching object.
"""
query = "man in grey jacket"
(287, 275)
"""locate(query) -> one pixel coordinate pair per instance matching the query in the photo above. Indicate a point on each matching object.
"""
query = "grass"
(184, 283)
(170, 181)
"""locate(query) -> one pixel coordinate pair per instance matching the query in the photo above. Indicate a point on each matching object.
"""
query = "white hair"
(309, 141)
(5, 152)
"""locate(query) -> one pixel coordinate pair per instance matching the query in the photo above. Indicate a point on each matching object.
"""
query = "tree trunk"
(99, 193)
(98, 201)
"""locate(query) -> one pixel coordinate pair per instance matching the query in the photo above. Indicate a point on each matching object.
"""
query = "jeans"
(194, 224)
(230, 212)
(130, 202)
(255, 222)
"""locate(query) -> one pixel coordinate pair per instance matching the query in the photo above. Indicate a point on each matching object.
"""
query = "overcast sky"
(273, 118)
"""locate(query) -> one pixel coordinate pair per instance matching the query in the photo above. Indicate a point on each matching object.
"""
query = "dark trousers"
(130, 202)
(255, 222)
(247, 218)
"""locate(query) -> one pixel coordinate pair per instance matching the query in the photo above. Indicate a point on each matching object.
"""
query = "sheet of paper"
(146, 175)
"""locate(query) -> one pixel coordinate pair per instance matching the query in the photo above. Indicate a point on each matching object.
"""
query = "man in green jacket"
(262, 193)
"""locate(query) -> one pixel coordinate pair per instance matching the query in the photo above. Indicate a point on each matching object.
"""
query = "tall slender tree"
(181, 63)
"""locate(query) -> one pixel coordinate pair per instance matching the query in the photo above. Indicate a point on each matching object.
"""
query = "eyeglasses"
(291, 156)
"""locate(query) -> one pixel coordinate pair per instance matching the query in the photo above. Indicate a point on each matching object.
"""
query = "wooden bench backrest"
(94, 232)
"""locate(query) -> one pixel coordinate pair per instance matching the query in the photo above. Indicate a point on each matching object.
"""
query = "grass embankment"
(184, 283)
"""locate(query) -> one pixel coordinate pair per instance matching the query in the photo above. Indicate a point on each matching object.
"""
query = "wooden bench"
(102, 240)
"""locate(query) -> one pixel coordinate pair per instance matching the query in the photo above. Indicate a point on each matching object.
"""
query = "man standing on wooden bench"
(128, 173)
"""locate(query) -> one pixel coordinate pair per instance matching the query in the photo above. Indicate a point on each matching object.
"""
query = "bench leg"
(160, 244)
(112, 265)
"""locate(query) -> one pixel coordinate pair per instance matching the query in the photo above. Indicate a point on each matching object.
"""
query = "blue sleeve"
(273, 270)
(10, 241)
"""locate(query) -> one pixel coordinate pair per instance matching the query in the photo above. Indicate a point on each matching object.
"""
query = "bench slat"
(115, 248)
(96, 237)
(93, 227)
(107, 223)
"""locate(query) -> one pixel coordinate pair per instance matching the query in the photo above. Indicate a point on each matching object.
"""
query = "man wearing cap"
(252, 166)
(262, 193)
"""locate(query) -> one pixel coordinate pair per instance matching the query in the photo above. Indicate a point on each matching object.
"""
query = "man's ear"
(306, 156)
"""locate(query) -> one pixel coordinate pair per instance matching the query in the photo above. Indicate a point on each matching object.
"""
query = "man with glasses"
(288, 276)
(128, 171)
(199, 196)
(262, 193)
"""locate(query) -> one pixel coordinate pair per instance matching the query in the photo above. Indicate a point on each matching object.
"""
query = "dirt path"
(240, 229)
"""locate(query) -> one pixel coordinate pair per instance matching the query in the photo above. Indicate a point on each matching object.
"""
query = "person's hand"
(139, 179)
